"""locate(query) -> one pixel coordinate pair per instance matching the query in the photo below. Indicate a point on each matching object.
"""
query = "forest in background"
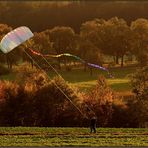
(40, 15)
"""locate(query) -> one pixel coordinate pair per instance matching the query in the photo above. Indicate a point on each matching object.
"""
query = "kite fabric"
(56, 56)
(15, 38)
(70, 55)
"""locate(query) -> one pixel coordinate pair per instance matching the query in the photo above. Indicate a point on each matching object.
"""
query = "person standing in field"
(93, 121)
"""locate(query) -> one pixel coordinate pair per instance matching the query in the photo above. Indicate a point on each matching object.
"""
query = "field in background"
(35, 136)
(84, 81)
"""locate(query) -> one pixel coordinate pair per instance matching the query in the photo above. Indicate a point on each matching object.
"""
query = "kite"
(70, 55)
(15, 38)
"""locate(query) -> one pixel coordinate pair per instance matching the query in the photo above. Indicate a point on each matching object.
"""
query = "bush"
(24, 71)
(34, 100)
(120, 116)
(139, 82)
(38, 101)
(12, 104)
(99, 100)
(51, 105)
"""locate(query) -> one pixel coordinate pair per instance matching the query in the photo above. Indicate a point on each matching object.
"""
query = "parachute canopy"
(15, 38)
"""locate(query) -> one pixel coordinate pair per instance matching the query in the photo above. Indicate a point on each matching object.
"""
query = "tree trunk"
(85, 67)
(91, 71)
(114, 58)
(9, 64)
(74, 63)
(122, 60)
(117, 59)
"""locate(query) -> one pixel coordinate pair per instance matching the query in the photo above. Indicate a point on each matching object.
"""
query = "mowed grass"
(36, 136)
(84, 81)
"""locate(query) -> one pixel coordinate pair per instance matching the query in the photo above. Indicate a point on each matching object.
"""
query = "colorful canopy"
(15, 38)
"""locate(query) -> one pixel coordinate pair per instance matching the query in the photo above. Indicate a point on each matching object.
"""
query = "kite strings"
(55, 84)
(43, 56)
(60, 76)
(76, 57)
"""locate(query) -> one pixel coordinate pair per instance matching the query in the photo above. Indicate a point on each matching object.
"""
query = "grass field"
(84, 81)
(35, 136)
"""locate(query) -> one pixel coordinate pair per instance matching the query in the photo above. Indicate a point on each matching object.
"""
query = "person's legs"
(94, 129)
(91, 129)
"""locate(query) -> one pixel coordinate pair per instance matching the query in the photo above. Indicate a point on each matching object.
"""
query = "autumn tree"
(114, 38)
(139, 82)
(63, 39)
(41, 43)
(47, 104)
(53, 103)
(90, 31)
(111, 36)
(88, 44)
(90, 53)
(140, 39)
(12, 104)
(100, 100)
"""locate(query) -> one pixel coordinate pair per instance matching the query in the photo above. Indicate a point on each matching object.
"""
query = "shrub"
(51, 105)
(99, 100)
(120, 116)
(12, 104)
(34, 100)
(139, 82)
(24, 72)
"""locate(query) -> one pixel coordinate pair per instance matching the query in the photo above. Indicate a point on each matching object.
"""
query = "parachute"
(15, 38)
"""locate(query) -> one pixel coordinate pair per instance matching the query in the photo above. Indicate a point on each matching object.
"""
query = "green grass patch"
(84, 81)
(35, 136)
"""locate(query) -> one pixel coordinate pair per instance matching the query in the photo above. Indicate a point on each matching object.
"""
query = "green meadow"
(37, 136)
(84, 81)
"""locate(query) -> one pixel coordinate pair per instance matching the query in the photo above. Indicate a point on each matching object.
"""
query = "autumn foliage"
(39, 101)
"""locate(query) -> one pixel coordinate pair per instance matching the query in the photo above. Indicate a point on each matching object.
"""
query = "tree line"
(97, 37)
